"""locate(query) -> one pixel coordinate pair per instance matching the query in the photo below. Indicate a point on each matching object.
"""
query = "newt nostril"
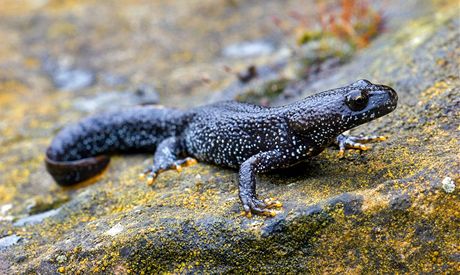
(393, 95)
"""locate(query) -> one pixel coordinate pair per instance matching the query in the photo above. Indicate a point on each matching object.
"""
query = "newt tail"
(81, 151)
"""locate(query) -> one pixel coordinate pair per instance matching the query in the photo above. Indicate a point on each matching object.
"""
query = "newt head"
(364, 101)
(323, 116)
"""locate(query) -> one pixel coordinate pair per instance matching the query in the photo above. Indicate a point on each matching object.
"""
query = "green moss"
(306, 37)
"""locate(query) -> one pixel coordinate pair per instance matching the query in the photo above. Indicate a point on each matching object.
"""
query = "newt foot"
(258, 207)
(152, 172)
(356, 142)
(184, 163)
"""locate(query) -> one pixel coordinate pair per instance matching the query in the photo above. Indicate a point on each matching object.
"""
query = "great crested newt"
(251, 138)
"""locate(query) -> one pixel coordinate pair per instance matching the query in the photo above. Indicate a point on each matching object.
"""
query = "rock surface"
(383, 211)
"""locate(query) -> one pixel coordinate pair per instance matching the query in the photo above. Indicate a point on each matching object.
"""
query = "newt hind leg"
(169, 155)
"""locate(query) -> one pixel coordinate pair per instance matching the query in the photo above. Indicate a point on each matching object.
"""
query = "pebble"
(248, 49)
(61, 259)
(8, 241)
(73, 79)
(66, 76)
(115, 230)
(4, 209)
(448, 185)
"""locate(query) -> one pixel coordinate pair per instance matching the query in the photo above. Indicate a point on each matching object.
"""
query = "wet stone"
(8, 241)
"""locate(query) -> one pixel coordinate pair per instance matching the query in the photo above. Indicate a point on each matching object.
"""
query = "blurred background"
(100, 51)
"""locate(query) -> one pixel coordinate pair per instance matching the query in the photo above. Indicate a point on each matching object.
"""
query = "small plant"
(353, 21)
(330, 36)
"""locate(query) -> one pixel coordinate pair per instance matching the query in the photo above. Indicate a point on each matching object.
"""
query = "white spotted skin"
(252, 138)
(229, 133)
(230, 136)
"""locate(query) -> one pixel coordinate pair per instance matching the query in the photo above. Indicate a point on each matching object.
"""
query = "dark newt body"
(252, 138)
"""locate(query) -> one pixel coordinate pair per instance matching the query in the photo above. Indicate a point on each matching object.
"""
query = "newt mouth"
(383, 101)
(393, 96)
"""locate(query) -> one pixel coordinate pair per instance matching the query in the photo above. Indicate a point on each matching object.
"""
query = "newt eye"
(357, 100)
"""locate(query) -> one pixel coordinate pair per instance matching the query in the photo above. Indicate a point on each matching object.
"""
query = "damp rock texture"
(394, 208)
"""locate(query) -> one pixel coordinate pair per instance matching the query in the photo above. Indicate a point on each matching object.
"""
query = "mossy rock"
(386, 210)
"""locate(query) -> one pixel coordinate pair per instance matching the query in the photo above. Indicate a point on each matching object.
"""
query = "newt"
(251, 138)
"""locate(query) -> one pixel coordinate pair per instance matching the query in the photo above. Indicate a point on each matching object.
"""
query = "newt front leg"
(259, 163)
